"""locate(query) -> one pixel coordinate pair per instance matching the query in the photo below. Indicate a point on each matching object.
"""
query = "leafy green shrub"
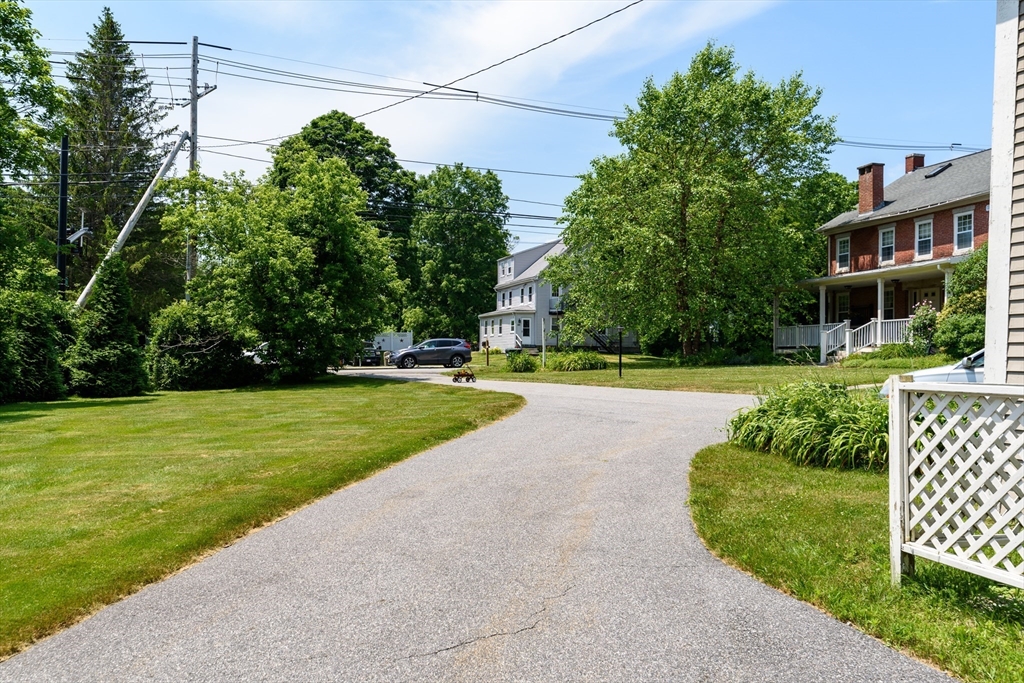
(960, 328)
(33, 321)
(520, 362)
(921, 330)
(576, 361)
(189, 350)
(106, 359)
(961, 335)
(813, 423)
(913, 363)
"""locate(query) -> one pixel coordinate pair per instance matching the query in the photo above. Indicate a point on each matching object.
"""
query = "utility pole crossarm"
(133, 219)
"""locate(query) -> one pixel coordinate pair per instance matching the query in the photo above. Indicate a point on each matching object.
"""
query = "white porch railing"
(832, 340)
(893, 331)
(862, 337)
(875, 333)
(800, 336)
(956, 467)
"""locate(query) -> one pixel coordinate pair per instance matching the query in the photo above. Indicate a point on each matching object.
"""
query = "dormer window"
(843, 253)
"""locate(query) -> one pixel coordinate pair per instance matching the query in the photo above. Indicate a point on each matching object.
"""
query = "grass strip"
(100, 497)
(822, 536)
(647, 372)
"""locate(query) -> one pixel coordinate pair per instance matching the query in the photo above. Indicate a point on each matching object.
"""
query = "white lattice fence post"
(900, 563)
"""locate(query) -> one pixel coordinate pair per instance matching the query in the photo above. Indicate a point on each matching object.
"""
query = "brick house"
(898, 248)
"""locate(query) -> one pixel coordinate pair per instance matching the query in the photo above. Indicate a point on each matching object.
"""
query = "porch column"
(821, 304)
(877, 332)
(948, 273)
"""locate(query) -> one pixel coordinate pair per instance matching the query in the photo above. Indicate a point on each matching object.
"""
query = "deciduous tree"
(682, 231)
(459, 233)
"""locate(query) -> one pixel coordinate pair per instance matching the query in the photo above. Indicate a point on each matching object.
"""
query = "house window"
(555, 326)
(889, 305)
(512, 325)
(964, 231)
(503, 299)
(526, 328)
(521, 291)
(530, 294)
(843, 253)
(500, 321)
(492, 325)
(887, 245)
(842, 306)
(924, 239)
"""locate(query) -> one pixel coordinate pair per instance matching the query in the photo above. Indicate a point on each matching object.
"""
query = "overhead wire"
(507, 60)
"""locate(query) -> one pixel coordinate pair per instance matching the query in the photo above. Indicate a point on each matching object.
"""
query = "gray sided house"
(526, 307)
(897, 249)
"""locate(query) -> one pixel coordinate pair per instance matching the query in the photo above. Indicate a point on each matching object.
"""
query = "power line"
(404, 161)
(505, 61)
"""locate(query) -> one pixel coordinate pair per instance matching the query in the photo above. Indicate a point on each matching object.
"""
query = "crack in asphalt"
(537, 616)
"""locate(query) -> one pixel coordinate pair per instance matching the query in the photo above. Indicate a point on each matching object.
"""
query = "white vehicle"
(392, 341)
(970, 370)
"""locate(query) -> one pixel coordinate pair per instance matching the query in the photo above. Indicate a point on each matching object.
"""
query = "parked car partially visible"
(453, 353)
(970, 370)
(370, 355)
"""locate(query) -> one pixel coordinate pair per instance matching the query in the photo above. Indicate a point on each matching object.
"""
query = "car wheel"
(408, 362)
(456, 361)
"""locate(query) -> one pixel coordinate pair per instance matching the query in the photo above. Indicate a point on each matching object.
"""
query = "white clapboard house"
(527, 306)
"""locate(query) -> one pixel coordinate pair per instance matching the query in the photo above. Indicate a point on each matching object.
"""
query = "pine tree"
(106, 359)
(117, 144)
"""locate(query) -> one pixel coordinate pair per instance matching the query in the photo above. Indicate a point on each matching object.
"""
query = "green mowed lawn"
(646, 372)
(100, 497)
(822, 536)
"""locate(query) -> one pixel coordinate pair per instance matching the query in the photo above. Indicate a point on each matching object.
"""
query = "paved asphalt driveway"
(554, 545)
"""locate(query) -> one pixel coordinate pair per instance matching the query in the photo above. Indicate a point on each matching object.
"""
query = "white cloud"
(440, 41)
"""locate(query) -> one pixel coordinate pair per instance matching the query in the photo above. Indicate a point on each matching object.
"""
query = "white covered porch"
(865, 310)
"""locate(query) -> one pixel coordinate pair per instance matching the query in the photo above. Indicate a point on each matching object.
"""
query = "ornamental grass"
(814, 423)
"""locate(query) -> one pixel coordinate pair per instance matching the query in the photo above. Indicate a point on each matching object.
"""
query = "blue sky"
(914, 73)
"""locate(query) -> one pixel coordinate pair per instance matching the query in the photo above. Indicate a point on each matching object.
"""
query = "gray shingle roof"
(539, 263)
(967, 176)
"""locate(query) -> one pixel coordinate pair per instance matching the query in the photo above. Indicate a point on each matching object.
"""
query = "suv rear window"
(445, 343)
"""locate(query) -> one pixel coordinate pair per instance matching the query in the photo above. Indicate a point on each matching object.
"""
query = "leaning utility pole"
(62, 217)
(133, 219)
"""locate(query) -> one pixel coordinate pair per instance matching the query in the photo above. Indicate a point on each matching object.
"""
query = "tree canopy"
(459, 234)
(388, 186)
(30, 102)
(682, 233)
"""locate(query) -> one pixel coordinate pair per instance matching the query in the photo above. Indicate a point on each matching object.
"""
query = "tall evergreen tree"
(106, 359)
(117, 143)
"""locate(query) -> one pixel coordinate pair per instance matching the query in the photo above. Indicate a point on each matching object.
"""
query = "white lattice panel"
(962, 469)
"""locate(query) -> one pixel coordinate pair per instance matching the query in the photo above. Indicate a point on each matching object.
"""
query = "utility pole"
(191, 252)
(62, 217)
(193, 153)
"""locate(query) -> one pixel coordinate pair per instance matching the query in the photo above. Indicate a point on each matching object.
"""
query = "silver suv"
(447, 352)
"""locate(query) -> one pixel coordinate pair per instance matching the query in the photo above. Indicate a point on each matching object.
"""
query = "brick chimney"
(914, 162)
(870, 185)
